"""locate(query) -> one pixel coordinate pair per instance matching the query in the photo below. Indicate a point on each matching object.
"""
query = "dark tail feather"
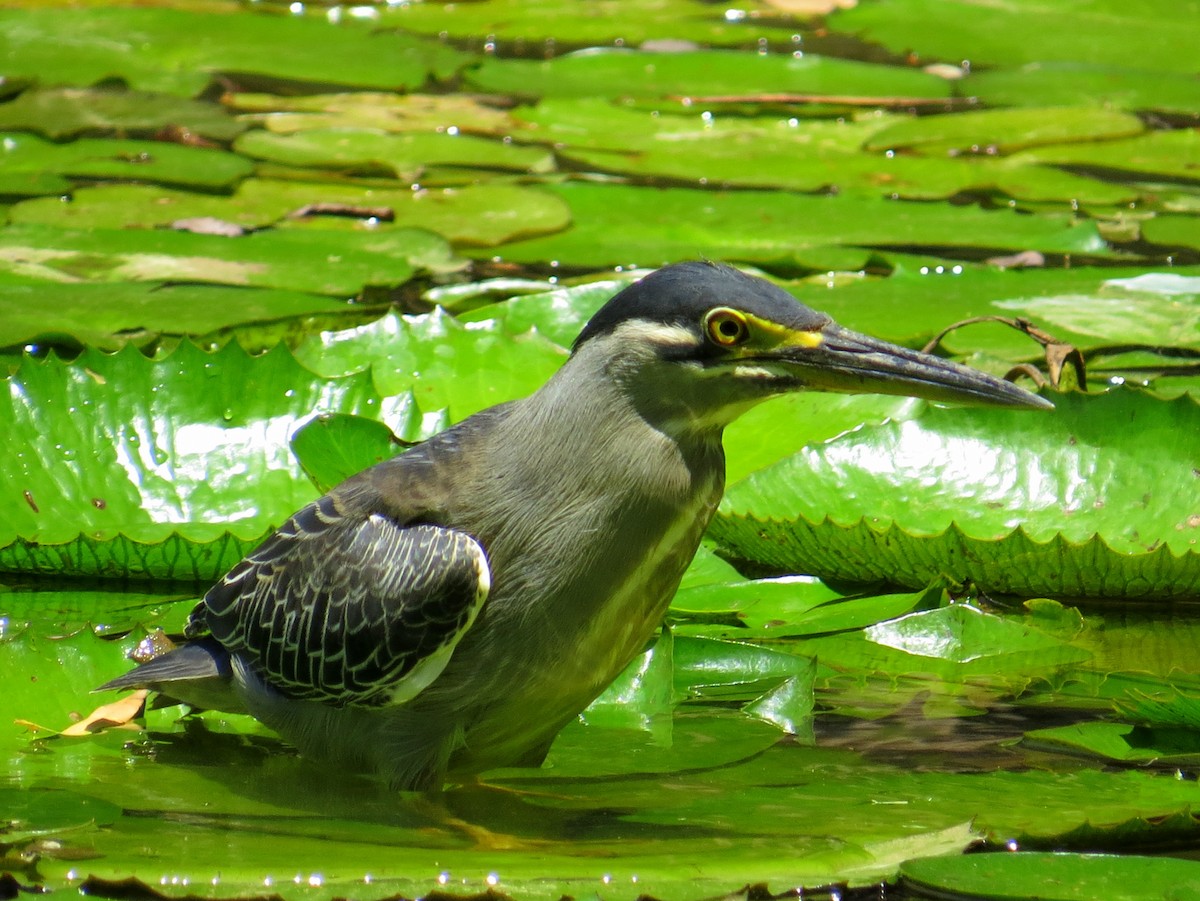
(196, 673)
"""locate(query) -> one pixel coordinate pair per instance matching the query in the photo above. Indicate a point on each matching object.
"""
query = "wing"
(348, 607)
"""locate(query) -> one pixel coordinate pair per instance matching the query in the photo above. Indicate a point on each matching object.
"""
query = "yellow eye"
(726, 327)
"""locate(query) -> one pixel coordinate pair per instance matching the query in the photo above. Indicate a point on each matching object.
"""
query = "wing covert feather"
(350, 609)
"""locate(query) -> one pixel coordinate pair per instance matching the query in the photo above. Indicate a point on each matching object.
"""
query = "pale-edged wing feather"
(349, 607)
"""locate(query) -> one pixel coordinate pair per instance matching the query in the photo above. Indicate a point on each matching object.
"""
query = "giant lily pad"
(674, 76)
(177, 51)
(170, 468)
(1070, 83)
(481, 215)
(69, 112)
(445, 364)
(143, 161)
(617, 224)
(110, 315)
(1105, 32)
(1004, 131)
(402, 155)
(710, 148)
(338, 263)
(447, 113)
(1099, 498)
(1053, 877)
(1154, 156)
(146, 452)
(1089, 308)
(606, 22)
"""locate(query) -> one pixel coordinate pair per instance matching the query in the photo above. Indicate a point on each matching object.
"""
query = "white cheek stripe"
(655, 333)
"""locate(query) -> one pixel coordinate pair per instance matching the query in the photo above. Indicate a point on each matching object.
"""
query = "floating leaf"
(444, 363)
(962, 634)
(763, 609)
(119, 454)
(180, 51)
(1148, 157)
(334, 446)
(1122, 743)
(799, 154)
(69, 112)
(371, 110)
(673, 76)
(30, 813)
(606, 22)
(480, 215)
(109, 316)
(115, 715)
(1102, 32)
(403, 156)
(171, 468)
(1179, 711)
(789, 705)
(1053, 877)
(1062, 83)
(1004, 131)
(341, 263)
(1013, 502)
(143, 161)
(618, 224)
(643, 696)
(1087, 307)
(1173, 231)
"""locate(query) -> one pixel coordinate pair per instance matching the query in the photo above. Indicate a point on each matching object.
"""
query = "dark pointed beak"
(850, 362)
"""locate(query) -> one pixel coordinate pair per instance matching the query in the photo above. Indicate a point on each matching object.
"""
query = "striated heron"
(450, 610)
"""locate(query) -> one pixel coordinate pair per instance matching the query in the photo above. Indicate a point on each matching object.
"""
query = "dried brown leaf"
(117, 714)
